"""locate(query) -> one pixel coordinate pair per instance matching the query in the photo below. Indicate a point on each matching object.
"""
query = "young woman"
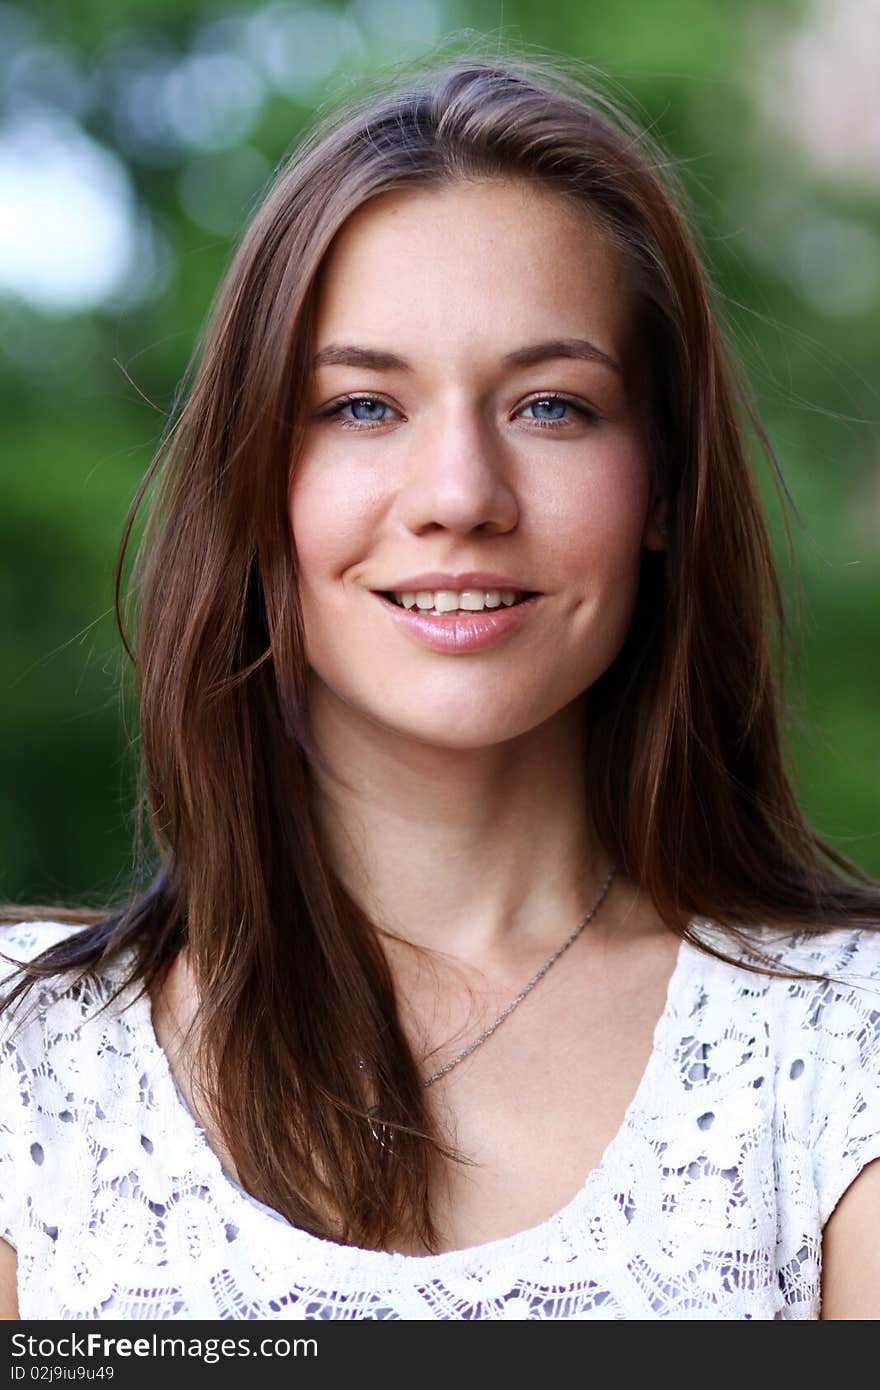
(490, 969)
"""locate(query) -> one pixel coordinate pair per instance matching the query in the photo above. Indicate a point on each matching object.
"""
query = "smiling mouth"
(456, 612)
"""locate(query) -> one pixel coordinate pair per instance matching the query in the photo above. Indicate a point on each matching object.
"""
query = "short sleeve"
(8, 1195)
(846, 1113)
(10, 1116)
(20, 943)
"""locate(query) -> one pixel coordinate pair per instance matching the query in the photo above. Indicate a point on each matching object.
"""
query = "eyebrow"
(378, 360)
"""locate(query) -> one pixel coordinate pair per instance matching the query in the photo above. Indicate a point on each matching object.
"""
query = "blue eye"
(370, 403)
(372, 407)
(559, 404)
(555, 403)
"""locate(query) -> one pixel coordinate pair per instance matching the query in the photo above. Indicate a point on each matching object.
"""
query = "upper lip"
(472, 579)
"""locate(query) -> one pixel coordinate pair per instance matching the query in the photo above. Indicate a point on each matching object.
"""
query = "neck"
(478, 852)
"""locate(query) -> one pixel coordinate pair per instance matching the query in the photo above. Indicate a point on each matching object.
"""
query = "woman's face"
(460, 458)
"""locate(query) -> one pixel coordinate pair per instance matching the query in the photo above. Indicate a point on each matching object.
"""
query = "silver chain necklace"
(380, 1134)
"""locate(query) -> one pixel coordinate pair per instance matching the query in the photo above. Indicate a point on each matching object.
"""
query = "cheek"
(597, 514)
(328, 523)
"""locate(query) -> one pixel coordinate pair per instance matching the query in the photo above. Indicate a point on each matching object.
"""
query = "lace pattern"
(758, 1106)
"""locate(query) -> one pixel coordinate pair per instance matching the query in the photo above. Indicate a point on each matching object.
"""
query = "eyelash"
(334, 412)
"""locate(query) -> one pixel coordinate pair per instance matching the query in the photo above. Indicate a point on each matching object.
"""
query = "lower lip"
(454, 633)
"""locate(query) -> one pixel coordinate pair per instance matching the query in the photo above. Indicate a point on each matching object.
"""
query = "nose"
(458, 478)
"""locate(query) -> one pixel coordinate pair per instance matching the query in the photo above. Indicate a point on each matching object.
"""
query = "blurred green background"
(135, 137)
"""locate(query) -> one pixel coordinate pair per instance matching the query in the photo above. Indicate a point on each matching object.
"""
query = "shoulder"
(60, 1015)
(808, 1001)
(67, 1040)
(840, 1008)
(72, 1056)
(849, 954)
(843, 961)
(841, 1005)
(22, 942)
(803, 1025)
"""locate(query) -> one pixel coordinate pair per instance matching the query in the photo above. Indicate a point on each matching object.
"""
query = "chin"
(465, 737)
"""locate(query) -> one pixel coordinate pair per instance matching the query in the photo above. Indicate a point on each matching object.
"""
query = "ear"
(654, 536)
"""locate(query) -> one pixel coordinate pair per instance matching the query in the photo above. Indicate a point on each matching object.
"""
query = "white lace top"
(759, 1105)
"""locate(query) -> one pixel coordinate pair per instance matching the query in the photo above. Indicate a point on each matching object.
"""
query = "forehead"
(472, 262)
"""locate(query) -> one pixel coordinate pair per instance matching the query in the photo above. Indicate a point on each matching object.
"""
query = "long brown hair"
(689, 793)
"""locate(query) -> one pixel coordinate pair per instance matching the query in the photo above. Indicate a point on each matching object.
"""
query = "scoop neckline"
(360, 1257)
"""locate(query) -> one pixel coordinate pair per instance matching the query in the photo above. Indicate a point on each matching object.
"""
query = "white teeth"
(448, 601)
